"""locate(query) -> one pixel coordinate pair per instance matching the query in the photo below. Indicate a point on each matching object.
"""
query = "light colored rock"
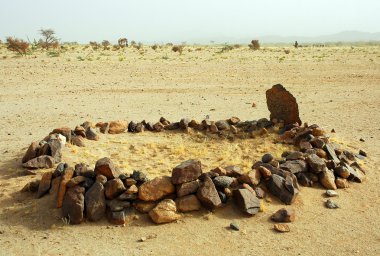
(164, 212)
(156, 189)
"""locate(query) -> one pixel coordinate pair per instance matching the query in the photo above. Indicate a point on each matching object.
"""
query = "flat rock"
(295, 166)
(208, 195)
(341, 183)
(45, 182)
(252, 177)
(246, 201)
(188, 203)
(187, 171)
(116, 127)
(43, 161)
(31, 152)
(187, 188)
(95, 202)
(282, 105)
(282, 189)
(156, 189)
(327, 179)
(331, 204)
(284, 215)
(316, 163)
(73, 205)
(116, 205)
(106, 167)
(234, 171)
(223, 181)
(282, 228)
(331, 193)
(78, 141)
(164, 212)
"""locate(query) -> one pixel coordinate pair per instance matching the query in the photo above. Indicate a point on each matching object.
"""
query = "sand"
(336, 87)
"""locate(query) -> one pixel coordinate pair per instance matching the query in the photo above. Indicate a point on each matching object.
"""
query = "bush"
(177, 48)
(123, 42)
(287, 51)
(106, 44)
(255, 45)
(17, 45)
(48, 40)
(154, 47)
(95, 46)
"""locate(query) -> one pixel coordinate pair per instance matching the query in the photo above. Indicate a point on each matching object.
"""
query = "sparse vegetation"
(106, 45)
(254, 45)
(123, 42)
(48, 39)
(177, 48)
(17, 45)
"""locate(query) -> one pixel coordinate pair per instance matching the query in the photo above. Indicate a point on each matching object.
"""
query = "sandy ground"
(336, 88)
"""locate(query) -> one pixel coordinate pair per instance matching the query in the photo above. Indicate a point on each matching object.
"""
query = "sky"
(178, 21)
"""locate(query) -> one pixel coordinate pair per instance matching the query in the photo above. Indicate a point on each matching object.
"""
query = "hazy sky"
(176, 20)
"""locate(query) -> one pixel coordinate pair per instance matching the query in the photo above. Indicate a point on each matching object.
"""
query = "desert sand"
(336, 87)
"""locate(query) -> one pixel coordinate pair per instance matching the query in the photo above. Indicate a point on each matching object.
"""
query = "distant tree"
(17, 45)
(48, 39)
(154, 47)
(177, 48)
(106, 44)
(133, 42)
(296, 44)
(123, 42)
(95, 46)
(254, 45)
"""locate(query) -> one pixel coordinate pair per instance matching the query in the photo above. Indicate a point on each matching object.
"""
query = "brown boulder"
(327, 179)
(284, 215)
(144, 206)
(246, 201)
(252, 177)
(208, 195)
(67, 175)
(65, 131)
(44, 186)
(116, 127)
(282, 105)
(43, 161)
(156, 189)
(78, 141)
(234, 171)
(187, 188)
(188, 203)
(31, 152)
(95, 202)
(73, 205)
(106, 167)
(91, 134)
(187, 171)
(116, 218)
(316, 163)
(283, 188)
(164, 212)
(113, 188)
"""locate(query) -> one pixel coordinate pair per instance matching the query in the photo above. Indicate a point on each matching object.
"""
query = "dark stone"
(132, 126)
(139, 127)
(295, 166)
(353, 173)
(331, 204)
(208, 195)
(267, 158)
(75, 181)
(284, 215)
(282, 105)
(73, 205)
(31, 186)
(187, 171)
(43, 161)
(316, 163)
(59, 170)
(114, 188)
(44, 185)
(222, 125)
(55, 149)
(263, 123)
(361, 152)
(82, 169)
(65, 131)
(305, 145)
(184, 123)
(222, 197)
(317, 143)
(295, 155)
(106, 167)
(91, 134)
(139, 176)
(116, 218)
(157, 127)
(223, 181)
(172, 126)
(187, 188)
(281, 188)
(116, 205)
(304, 179)
(95, 202)
(149, 126)
(234, 171)
(31, 152)
(234, 226)
(331, 153)
(246, 201)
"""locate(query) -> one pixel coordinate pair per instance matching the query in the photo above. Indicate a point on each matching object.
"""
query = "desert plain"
(337, 87)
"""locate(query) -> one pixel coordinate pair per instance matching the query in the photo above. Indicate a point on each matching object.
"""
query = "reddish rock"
(187, 171)
(234, 171)
(208, 195)
(78, 141)
(73, 205)
(157, 127)
(80, 131)
(44, 186)
(54, 187)
(65, 131)
(341, 183)
(43, 161)
(116, 127)
(31, 186)
(252, 177)
(220, 171)
(283, 188)
(282, 228)
(116, 218)
(164, 212)
(91, 134)
(327, 179)
(284, 215)
(187, 188)
(246, 201)
(144, 207)
(31, 152)
(265, 173)
(156, 189)
(106, 167)
(114, 188)
(282, 105)
(67, 175)
(188, 203)
(95, 202)
(294, 166)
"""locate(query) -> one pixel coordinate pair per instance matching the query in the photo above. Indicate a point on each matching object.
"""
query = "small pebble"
(362, 140)
(331, 193)
(282, 228)
(361, 152)
(331, 205)
(142, 239)
(333, 130)
(234, 226)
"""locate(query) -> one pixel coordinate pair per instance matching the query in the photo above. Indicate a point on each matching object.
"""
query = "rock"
(188, 203)
(282, 228)
(65, 131)
(125, 196)
(75, 181)
(132, 126)
(354, 175)
(233, 171)
(164, 212)
(59, 170)
(31, 186)
(54, 187)
(304, 179)
(222, 125)
(130, 182)
(140, 128)
(144, 207)
(78, 141)
(220, 171)
(294, 166)
(55, 147)
(116, 127)
(67, 175)
(187, 188)
(265, 173)
(80, 131)
(223, 197)
(31, 152)
(330, 204)
(87, 125)
(116, 218)
(316, 164)
(44, 185)
(260, 193)
(317, 143)
(331, 193)
(91, 134)
(156, 189)
(252, 177)
(327, 179)
(223, 181)
(282, 189)
(82, 169)
(208, 195)
(282, 105)
(172, 126)
(157, 127)
(187, 171)
(342, 172)
(73, 205)
(267, 158)
(103, 127)
(139, 176)
(341, 183)
(305, 145)
(116, 205)
(284, 215)
(246, 201)
(234, 226)
(95, 202)
(213, 128)
(106, 167)
(27, 172)
(321, 153)
(234, 120)
(331, 153)
(43, 161)
(114, 188)
(102, 179)
(361, 152)
(184, 123)
(295, 155)
(132, 190)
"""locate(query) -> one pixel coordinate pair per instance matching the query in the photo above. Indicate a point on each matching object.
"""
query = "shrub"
(95, 46)
(255, 45)
(48, 40)
(17, 45)
(287, 51)
(106, 44)
(177, 48)
(123, 42)
(154, 47)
